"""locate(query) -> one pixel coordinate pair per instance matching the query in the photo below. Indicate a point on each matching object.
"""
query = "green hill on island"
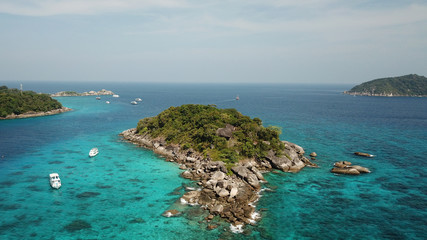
(14, 101)
(408, 85)
(222, 134)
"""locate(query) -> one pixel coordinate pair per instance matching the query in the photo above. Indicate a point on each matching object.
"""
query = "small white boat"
(237, 98)
(107, 102)
(93, 152)
(115, 95)
(54, 180)
(133, 103)
(138, 99)
(98, 98)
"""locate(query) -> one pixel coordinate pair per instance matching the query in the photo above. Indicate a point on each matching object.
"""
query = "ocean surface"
(122, 192)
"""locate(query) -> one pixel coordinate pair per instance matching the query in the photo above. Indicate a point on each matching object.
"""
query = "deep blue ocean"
(122, 192)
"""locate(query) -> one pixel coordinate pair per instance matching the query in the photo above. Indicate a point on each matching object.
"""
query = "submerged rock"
(171, 213)
(77, 225)
(137, 220)
(88, 194)
(212, 226)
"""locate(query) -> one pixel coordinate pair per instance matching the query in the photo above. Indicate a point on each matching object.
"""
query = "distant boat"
(364, 154)
(93, 152)
(107, 102)
(237, 98)
(115, 95)
(133, 103)
(54, 180)
(138, 99)
(98, 98)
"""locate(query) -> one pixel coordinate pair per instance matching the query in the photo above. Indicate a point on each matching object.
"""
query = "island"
(224, 151)
(16, 103)
(75, 94)
(411, 85)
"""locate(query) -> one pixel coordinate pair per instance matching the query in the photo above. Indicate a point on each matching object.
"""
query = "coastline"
(37, 114)
(379, 94)
(76, 94)
(230, 196)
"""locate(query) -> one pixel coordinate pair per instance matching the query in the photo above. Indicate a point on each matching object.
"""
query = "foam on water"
(236, 228)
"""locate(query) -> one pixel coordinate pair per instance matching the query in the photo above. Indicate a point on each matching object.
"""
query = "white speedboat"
(115, 95)
(133, 103)
(54, 180)
(107, 102)
(98, 98)
(138, 99)
(93, 152)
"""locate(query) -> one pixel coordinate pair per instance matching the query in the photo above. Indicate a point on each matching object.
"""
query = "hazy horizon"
(184, 41)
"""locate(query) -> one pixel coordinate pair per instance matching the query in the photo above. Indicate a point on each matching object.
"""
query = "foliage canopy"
(17, 102)
(408, 85)
(195, 126)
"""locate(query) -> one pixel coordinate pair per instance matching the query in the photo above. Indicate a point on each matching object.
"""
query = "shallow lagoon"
(122, 192)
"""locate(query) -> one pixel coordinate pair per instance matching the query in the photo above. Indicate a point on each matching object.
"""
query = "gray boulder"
(223, 193)
(218, 175)
(233, 192)
(247, 175)
(349, 171)
(217, 209)
(241, 171)
(187, 174)
(252, 179)
(361, 169)
(257, 173)
(226, 132)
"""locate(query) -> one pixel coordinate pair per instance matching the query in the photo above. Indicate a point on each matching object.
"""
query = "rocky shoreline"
(370, 94)
(231, 196)
(37, 114)
(75, 94)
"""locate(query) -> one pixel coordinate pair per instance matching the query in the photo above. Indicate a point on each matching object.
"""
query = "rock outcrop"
(364, 154)
(90, 93)
(226, 132)
(345, 167)
(227, 195)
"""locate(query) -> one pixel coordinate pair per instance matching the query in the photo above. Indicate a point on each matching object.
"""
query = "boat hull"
(93, 152)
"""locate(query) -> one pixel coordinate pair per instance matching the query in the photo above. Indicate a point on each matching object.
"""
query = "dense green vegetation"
(17, 102)
(408, 85)
(195, 126)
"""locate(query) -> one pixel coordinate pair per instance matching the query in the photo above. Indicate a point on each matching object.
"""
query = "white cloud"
(83, 7)
(241, 37)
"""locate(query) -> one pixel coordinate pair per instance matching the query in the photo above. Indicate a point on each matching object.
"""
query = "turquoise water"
(122, 192)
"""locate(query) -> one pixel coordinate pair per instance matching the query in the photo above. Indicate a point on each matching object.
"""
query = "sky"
(212, 41)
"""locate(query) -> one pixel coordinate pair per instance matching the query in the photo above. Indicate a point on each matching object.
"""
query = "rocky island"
(410, 85)
(74, 94)
(16, 103)
(224, 151)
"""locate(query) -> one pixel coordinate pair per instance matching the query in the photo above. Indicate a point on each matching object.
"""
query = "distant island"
(224, 151)
(410, 85)
(15, 103)
(74, 94)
